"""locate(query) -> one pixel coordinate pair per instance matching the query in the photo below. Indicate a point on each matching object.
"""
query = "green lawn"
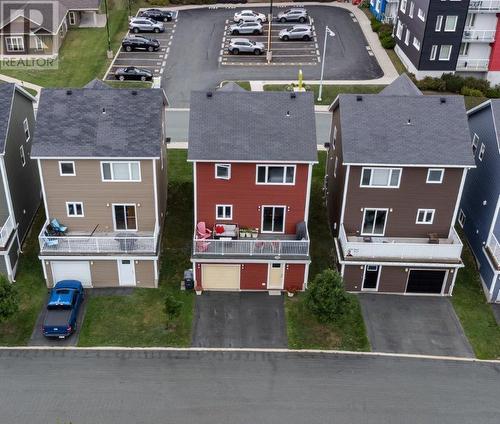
(396, 61)
(474, 313)
(139, 319)
(17, 330)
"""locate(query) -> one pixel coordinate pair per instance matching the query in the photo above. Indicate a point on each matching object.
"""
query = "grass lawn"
(139, 319)
(128, 84)
(17, 330)
(474, 313)
(396, 61)
(330, 92)
(304, 331)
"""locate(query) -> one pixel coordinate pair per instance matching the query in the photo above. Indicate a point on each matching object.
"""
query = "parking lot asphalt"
(193, 59)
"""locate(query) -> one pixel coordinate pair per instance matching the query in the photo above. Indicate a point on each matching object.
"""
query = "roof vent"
(293, 95)
(103, 110)
(287, 113)
(134, 93)
(209, 94)
(409, 122)
(442, 100)
(359, 98)
(69, 92)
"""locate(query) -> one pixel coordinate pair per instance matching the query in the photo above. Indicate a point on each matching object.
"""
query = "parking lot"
(285, 53)
(153, 61)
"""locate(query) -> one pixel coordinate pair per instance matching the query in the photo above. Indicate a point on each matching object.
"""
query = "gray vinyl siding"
(3, 266)
(4, 207)
(13, 253)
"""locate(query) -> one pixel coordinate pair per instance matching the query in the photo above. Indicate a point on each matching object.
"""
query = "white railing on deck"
(254, 247)
(6, 230)
(486, 35)
(464, 64)
(484, 5)
(494, 247)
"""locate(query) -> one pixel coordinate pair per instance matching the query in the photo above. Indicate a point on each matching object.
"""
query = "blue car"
(62, 309)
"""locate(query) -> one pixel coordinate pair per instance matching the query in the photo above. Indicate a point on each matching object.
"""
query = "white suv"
(145, 25)
(249, 16)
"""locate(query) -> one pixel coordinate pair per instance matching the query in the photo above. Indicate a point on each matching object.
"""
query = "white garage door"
(220, 277)
(72, 270)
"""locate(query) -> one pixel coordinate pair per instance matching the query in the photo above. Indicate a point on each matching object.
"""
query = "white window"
(471, 19)
(461, 218)
(72, 18)
(273, 219)
(377, 6)
(435, 176)
(380, 177)
(374, 221)
(38, 43)
(224, 211)
(26, 128)
(480, 156)
(445, 52)
(425, 216)
(421, 15)
(439, 22)
(121, 171)
(403, 6)
(21, 153)
(412, 7)
(407, 37)
(451, 23)
(399, 30)
(335, 168)
(416, 43)
(67, 168)
(464, 49)
(434, 50)
(334, 139)
(74, 209)
(276, 174)
(223, 171)
(125, 217)
(14, 44)
(475, 140)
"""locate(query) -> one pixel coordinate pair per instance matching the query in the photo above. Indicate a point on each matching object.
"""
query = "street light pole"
(328, 31)
(110, 52)
(269, 54)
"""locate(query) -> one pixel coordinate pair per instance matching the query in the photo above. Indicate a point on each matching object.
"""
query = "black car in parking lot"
(157, 15)
(138, 42)
(133, 73)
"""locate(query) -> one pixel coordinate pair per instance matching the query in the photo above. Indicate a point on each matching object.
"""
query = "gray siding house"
(19, 183)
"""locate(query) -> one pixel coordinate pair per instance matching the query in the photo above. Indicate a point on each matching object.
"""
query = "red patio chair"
(202, 231)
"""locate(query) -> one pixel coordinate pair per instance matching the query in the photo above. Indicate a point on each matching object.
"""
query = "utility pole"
(269, 53)
(328, 32)
(110, 52)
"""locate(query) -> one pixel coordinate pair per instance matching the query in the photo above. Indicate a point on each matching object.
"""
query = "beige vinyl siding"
(145, 273)
(104, 273)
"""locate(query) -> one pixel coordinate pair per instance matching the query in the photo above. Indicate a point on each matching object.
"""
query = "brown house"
(396, 166)
(103, 172)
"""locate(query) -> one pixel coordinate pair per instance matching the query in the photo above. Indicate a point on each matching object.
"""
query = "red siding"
(494, 64)
(294, 276)
(253, 276)
(247, 197)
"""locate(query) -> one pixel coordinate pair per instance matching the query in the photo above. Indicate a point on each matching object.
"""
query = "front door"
(276, 276)
(370, 279)
(126, 272)
(125, 217)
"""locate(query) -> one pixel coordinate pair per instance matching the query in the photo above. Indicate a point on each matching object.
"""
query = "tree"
(326, 297)
(9, 298)
(172, 308)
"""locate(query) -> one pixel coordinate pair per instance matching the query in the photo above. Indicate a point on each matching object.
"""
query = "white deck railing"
(464, 64)
(484, 5)
(400, 248)
(5, 231)
(494, 247)
(480, 35)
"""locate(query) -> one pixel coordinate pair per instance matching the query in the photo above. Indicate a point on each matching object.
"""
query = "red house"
(252, 156)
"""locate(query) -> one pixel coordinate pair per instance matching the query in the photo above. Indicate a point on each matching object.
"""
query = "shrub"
(172, 308)
(9, 298)
(375, 24)
(431, 84)
(477, 84)
(385, 28)
(326, 297)
(467, 91)
(388, 42)
(454, 83)
(494, 92)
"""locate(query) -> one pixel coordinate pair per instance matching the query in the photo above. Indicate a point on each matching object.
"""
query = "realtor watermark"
(31, 33)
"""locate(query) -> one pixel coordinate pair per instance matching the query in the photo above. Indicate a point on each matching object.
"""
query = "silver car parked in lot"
(145, 25)
(297, 32)
(249, 16)
(293, 15)
(244, 45)
(246, 28)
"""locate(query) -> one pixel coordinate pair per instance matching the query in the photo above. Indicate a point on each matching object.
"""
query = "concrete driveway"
(413, 324)
(239, 320)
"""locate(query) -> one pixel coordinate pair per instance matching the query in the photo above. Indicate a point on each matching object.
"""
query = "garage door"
(72, 270)
(425, 281)
(220, 277)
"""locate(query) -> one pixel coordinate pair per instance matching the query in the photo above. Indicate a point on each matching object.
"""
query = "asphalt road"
(192, 63)
(242, 387)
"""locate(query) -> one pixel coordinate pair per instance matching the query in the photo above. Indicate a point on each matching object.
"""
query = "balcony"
(6, 231)
(485, 6)
(98, 243)
(356, 248)
(493, 248)
(478, 35)
(476, 65)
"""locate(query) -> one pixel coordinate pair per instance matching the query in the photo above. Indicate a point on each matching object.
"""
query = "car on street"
(246, 28)
(157, 15)
(297, 32)
(137, 42)
(244, 45)
(249, 16)
(133, 73)
(64, 303)
(145, 25)
(293, 15)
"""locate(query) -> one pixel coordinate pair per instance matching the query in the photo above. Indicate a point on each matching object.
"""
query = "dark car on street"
(63, 306)
(133, 73)
(157, 15)
(137, 42)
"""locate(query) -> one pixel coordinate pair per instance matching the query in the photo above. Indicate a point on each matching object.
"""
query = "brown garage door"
(425, 281)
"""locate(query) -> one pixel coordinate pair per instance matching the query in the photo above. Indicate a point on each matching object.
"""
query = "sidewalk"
(26, 84)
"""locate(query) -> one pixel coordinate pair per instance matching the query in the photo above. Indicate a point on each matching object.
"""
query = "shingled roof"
(401, 86)
(99, 123)
(252, 126)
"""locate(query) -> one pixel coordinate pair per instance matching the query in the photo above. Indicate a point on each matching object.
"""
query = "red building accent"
(494, 64)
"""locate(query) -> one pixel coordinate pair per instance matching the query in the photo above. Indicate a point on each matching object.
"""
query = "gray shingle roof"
(74, 125)
(81, 4)
(401, 86)
(495, 108)
(414, 130)
(6, 94)
(97, 84)
(252, 126)
(231, 86)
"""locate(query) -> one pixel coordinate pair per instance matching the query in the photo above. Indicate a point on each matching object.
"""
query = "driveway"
(239, 320)
(413, 324)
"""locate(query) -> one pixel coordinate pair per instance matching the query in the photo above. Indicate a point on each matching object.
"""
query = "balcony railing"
(464, 64)
(484, 6)
(100, 243)
(6, 230)
(355, 248)
(479, 35)
(494, 247)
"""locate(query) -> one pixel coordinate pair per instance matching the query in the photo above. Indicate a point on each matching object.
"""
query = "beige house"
(102, 160)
